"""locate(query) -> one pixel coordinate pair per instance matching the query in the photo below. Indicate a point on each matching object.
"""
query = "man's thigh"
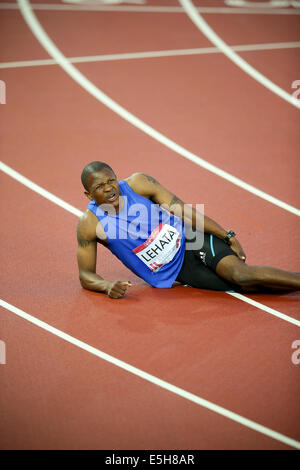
(196, 274)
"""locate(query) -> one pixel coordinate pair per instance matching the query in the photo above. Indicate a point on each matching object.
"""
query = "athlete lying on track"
(146, 227)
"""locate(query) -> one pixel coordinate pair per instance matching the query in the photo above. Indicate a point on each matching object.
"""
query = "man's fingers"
(118, 289)
(237, 248)
(241, 255)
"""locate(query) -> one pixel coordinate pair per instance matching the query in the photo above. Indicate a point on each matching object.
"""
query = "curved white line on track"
(205, 29)
(73, 210)
(56, 54)
(153, 379)
(39, 190)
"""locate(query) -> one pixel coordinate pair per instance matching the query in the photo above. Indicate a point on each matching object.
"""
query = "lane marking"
(153, 379)
(265, 4)
(68, 207)
(155, 9)
(39, 190)
(256, 304)
(210, 34)
(151, 54)
(81, 79)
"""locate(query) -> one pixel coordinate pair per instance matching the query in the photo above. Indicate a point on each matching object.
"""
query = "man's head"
(100, 184)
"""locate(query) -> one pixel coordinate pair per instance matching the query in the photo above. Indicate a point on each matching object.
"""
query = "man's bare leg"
(254, 278)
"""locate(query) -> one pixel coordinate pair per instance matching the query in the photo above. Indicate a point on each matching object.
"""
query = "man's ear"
(88, 195)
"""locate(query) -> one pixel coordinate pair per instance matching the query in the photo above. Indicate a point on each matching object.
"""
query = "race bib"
(160, 248)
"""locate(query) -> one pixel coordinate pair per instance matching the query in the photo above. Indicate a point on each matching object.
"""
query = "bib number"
(160, 248)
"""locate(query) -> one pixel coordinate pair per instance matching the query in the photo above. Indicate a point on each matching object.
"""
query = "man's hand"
(236, 247)
(117, 289)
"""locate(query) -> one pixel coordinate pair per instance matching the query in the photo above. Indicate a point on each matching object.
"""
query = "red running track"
(55, 395)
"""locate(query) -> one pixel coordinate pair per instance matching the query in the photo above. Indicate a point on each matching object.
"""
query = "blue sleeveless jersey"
(145, 237)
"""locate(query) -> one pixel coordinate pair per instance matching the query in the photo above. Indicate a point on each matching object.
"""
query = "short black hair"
(93, 167)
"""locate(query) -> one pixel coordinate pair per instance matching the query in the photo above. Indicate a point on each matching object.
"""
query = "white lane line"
(155, 9)
(39, 190)
(81, 79)
(151, 54)
(56, 200)
(265, 308)
(205, 29)
(265, 46)
(244, 3)
(153, 379)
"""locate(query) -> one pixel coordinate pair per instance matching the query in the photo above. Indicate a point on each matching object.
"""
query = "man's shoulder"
(141, 183)
(133, 179)
(87, 225)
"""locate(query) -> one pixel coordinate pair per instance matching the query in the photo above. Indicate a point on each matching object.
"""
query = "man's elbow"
(83, 281)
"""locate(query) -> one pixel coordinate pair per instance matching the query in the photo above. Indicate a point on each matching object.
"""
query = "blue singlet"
(145, 237)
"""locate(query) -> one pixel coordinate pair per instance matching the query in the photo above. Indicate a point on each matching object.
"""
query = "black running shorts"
(199, 266)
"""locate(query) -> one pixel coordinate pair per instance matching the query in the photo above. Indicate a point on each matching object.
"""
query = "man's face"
(104, 188)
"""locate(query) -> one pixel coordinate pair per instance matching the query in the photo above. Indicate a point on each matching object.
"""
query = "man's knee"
(237, 271)
(243, 275)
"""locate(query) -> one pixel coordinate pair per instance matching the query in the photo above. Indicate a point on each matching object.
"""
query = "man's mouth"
(112, 197)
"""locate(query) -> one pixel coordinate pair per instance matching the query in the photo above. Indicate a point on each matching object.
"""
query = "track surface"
(56, 396)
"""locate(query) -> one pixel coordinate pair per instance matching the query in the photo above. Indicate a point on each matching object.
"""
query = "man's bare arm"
(149, 187)
(87, 259)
